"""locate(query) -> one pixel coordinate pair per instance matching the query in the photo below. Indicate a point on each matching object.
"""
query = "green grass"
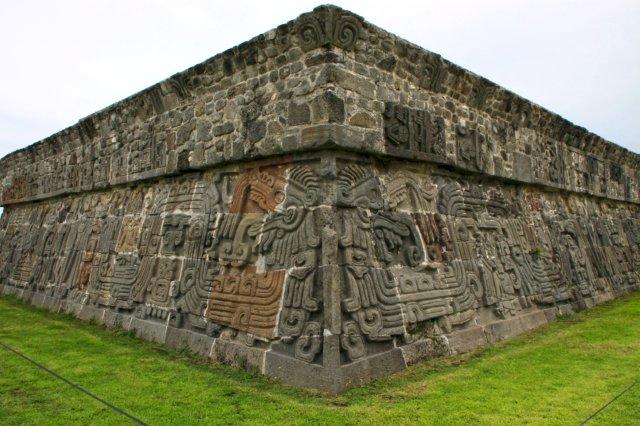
(558, 375)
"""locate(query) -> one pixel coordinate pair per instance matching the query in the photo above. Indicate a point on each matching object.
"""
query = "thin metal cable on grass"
(74, 385)
(628, 388)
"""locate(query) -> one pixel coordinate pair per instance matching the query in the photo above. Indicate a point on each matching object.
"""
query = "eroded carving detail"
(413, 130)
(328, 27)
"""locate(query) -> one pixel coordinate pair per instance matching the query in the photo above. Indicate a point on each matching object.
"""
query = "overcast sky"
(63, 60)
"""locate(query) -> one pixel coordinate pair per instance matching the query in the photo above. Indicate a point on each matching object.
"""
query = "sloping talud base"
(330, 377)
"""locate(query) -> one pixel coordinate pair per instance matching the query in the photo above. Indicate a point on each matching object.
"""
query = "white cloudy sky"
(63, 60)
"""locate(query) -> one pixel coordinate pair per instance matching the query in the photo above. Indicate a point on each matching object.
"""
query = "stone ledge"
(330, 377)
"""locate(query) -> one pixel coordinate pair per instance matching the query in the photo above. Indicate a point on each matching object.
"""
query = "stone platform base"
(298, 373)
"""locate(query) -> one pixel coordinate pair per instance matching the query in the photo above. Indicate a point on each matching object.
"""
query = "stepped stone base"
(325, 204)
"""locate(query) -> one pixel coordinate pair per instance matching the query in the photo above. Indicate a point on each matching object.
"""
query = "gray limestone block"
(198, 343)
(238, 355)
(522, 167)
(149, 330)
(463, 341)
(505, 329)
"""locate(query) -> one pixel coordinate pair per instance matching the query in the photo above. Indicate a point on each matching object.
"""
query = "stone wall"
(324, 204)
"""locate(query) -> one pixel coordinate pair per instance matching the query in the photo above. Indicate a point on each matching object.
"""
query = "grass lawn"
(558, 375)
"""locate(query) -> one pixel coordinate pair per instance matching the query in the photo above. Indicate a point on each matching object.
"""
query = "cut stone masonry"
(325, 204)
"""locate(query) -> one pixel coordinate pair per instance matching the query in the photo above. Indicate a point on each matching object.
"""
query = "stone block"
(505, 329)
(463, 341)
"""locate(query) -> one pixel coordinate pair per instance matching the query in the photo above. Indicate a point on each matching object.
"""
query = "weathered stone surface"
(299, 114)
(362, 119)
(328, 108)
(325, 204)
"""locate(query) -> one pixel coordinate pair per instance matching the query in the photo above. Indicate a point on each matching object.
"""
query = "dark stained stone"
(223, 129)
(256, 130)
(299, 114)
(388, 63)
(328, 107)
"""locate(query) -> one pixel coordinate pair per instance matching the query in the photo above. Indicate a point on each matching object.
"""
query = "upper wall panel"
(326, 80)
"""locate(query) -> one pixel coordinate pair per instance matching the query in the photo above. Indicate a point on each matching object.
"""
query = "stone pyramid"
(326, 203)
